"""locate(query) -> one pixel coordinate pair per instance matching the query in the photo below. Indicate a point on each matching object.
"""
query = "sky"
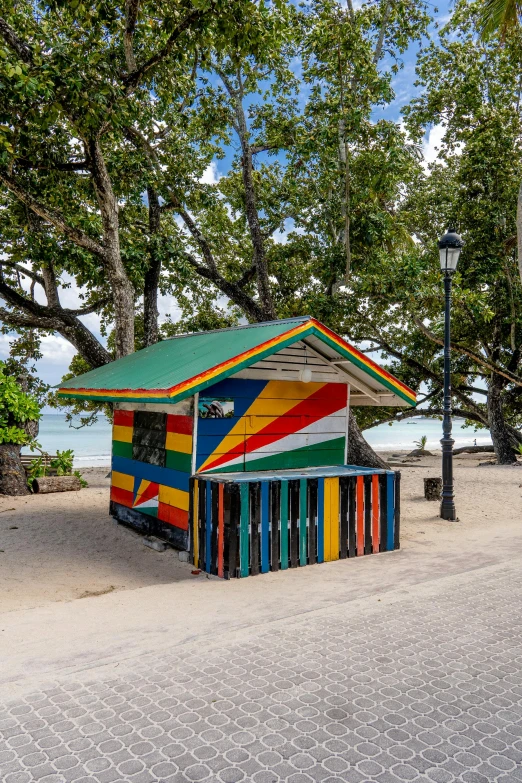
(58, 352)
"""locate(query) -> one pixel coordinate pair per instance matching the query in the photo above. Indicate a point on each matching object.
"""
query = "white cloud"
(432, 143)
(211, 174)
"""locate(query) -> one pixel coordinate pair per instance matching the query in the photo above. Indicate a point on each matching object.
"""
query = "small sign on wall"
(216, 408)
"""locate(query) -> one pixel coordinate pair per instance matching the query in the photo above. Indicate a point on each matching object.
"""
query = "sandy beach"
(64, 546)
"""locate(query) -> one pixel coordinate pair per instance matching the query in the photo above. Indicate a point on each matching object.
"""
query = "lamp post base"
(448, 510)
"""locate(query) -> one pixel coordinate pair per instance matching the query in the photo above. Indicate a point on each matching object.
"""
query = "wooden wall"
(151, 465)
(275, 425)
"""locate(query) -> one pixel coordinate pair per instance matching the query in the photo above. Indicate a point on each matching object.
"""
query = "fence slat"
(375, 513)
(244, 543)
(284, 525)
(390, 512)
(303, 504)
(360, 516)
(320, 520)
(265, 509)
(367, 515)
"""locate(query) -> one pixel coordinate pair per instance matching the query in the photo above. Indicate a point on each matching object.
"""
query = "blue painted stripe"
(208, 528)
(142, 470)
(390, 511)
(320, 520)
(265, 562)
(236, 387)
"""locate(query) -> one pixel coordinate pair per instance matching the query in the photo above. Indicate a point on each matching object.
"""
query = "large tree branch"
(133, 79)
(233, 290)
(27, 321)
(15, 43)
(27, 272)
(131, 17)
(251, 210)
(382, 32)
(76, 235)
(460, 412)
(475, 357)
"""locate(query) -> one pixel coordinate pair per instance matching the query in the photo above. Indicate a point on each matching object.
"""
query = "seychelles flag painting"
(146, 497)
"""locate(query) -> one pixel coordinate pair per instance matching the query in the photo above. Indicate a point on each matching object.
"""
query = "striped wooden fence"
(247, 527)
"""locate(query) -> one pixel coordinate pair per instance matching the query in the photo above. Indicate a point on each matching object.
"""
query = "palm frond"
(498, 16)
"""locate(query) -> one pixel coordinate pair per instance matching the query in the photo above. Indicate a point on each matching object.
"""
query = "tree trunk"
(252, 215)
(12, 474)
(89, 348)
(45, 484)
(121, 287)
(519, 230)
(152, 275)
(500, 435)
(359, 452)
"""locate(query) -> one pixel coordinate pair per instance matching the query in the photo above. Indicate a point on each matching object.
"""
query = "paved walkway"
(425, 686)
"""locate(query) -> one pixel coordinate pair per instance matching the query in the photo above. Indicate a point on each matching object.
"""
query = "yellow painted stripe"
(122, 433)
(278, 397)
(144, 484)
(122, 481)
(178, 442)
(195, 513)
(174, 497)
(331, 519)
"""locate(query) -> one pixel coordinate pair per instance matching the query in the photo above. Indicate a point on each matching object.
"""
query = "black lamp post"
(450, 246)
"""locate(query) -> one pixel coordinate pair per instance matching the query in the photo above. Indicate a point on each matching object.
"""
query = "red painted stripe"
(221, 529)
(375, 513)
(181, 425)
(306, 412)
(122, 496)
(173, 516)
(360, 515)
(150, 492)
(314, 408)
(124, 418)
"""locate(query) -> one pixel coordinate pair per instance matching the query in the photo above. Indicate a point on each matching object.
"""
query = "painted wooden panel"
(360, 515)
(303, 515)
(275, 424)
(149, 477)
(284, 525)
(265, 527)
(244, 535)
(375, 514)
(255, 526)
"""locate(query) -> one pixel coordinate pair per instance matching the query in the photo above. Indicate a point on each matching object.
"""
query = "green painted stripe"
(244, 531)
(120, 449)
(284, 524)
(303, 485)
(329, 453)
(177, 460)
(239, 467)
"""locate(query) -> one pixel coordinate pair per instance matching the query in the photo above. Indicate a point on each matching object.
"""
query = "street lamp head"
(450, 246)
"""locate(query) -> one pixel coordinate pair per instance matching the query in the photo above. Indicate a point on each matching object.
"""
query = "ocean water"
(92, 445)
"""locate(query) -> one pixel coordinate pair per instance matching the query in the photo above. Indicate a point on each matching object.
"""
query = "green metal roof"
(177, 368)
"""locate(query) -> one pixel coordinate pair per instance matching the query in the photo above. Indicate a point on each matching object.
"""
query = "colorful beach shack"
(232, 445)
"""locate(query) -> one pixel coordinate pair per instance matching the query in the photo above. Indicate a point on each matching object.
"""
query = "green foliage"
(61, 465)
(421, 443)
(17, 408)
